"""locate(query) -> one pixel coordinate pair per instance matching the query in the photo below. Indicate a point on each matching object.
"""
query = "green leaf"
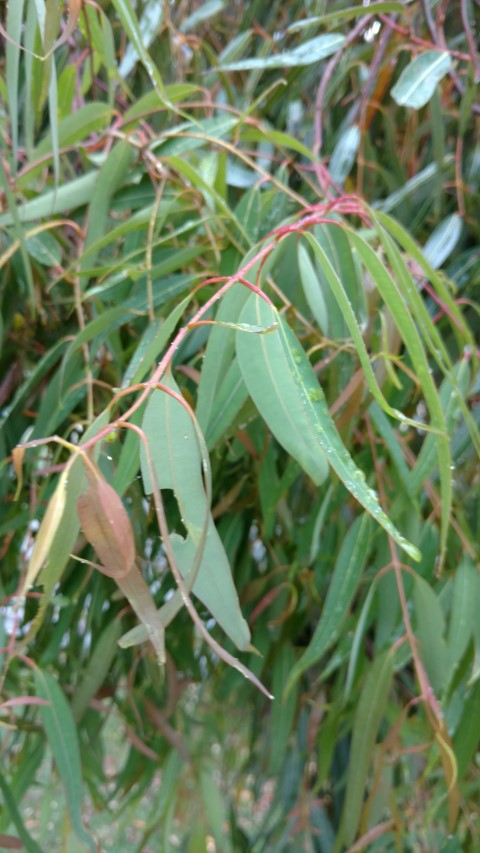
(98, 667)
(368, 716)
(194, 177)
(395, 297)
(207, 10)
(430, 629)
(11, 805)
(313, 289)
(307, 53)
(343, 585)
(285, 389)
(451, 391)
(14, 219)
(131, 26)
(178, 464)
(66, 197)
(228, 402)
(45, 249)
(344, 154)
(276, 375)
(283, 709)
(218, 355)
(334, 243)
(91, 118)
(12, 51)
(419, 79)
(467, 735)
(383, 6)
(62, 736)
(386, 431)
(155, 339)
(110, 177)
(443, 240)
(464, 613)
(347, 311)
(149, 24)
(215, 807)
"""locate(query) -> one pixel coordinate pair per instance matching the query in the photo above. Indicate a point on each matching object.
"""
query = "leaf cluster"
(239, 426)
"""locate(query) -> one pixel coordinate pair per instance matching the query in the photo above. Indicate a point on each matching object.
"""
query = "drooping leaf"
(463, 615)
(430, 629)
(109, 178)
(286, 391)
(343, 585)
(368, 716)
(97, 668)
(131, 26)
(313, 289)
(62, 736)
(11, 805)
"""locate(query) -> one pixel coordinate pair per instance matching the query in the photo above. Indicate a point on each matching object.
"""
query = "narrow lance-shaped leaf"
(15, 817)
(395, 295)
(48, 529)
(342, 588)
(354, 329)
(285, 389)
(313, 289)
(62, 736)
(14, 30)
(109, 178)
(464, 613)
(132, 28)
(306, 53)
(370, 709)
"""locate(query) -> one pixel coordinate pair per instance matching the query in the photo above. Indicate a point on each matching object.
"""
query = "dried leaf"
(48, 529)
(17, 458)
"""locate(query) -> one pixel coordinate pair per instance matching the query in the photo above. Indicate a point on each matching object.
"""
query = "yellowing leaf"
(17, 458)
(48, 529)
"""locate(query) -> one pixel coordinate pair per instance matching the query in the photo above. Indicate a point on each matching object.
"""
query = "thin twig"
(323, 176)
(470, 40)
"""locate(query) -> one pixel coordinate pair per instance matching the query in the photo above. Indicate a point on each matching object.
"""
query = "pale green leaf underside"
(307, 53)
(419, 79)
(178, 466)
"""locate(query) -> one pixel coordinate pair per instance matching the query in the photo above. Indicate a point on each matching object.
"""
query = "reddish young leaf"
(106, 526)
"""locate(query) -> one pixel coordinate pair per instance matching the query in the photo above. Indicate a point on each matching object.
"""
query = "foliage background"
(151, 154)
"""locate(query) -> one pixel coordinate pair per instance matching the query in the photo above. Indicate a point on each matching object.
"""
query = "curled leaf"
(106, 526)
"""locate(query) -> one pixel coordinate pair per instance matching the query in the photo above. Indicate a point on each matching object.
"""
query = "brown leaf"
(106, 526)
(10, 842)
